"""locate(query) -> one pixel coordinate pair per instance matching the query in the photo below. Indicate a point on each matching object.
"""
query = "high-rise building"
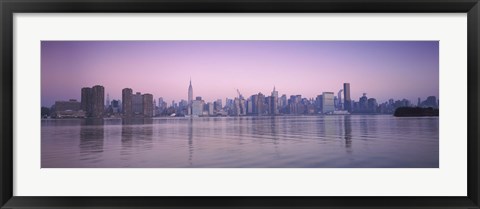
(319, 103)
(363, 103)
(137, 104)
(340, 102)
(86, 104)
(274, 102)
(147, 105)
(372, 105)
(210, 108)
(218, 105)
(254, 99)
(98, 101)
(107, 104)
(347, 101)
(127, 102)
(328, 105)
(190, 97)
(197, 107)
(115, 106)
(260, 104)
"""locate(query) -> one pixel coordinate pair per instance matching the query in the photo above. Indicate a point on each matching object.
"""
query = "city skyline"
(412, 65)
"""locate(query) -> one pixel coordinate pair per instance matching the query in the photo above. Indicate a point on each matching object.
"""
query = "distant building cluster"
(93, 105)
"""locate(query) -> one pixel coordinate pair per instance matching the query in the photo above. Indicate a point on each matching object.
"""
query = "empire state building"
(190, 97)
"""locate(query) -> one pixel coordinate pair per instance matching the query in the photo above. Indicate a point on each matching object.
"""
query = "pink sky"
(382, 69)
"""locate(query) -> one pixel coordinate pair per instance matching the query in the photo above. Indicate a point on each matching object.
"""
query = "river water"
(332, 141)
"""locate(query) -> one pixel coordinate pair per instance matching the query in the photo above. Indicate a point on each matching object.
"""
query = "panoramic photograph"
(240, 104)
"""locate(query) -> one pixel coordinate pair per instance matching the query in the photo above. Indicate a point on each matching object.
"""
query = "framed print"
(259, 104)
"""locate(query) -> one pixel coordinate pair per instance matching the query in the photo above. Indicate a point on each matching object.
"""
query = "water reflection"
(91, 138)
(293, 141)
(190, 141)
(347, 126)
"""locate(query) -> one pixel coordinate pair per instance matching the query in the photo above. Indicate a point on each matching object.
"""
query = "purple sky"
(382, 69)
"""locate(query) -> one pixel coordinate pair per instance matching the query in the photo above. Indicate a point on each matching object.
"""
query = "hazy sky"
(382, 69)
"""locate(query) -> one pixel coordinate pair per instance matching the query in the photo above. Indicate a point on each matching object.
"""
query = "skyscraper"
(260, 104)
(190, 97)
(328, 105)
(98, 101)
(274, 102)
(346, 97)
(127, 102)
(147, 105)
(86, 105)
(137, 104)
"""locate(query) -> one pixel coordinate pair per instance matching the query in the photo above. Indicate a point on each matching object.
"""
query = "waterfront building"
(372, 105)
(319, 103)
(249, 107)
(340, 103)
(115, 106)
(98, 101)
(211, 108)
(236, 107)
(260, 104)
(283, 101)
(218, 105)
(197, 107)
(147, 105)
(347, 102)
(254, 99)
(274, 102)
(190, 97)
(68, 109)
(362, 102)
(86, 104)
(328, 105)
(107, 103)
(93, 101)
(431, 101)
(127, 102)
(137, 104)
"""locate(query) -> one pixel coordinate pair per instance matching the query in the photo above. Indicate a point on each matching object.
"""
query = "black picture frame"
(9, 7)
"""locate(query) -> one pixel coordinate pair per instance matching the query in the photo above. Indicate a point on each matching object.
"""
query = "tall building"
(190, 97)
(319, 103)
(254, 99)
(210, 108)
(197, 107)
(363, 103)
(137, 104)
(147, 105)
(372, 105)
(340, 102)
(260, 104)
(86, 104)
(127, 102)
(107, 104)
(98, 101)
(328, 105)
(218, 105)
(249, 106)
(274, 102)
(347, 101)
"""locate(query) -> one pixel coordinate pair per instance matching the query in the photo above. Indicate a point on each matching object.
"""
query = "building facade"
(127, 102)
(328, 105)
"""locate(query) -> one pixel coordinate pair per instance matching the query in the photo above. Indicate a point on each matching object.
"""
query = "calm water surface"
(370, 141)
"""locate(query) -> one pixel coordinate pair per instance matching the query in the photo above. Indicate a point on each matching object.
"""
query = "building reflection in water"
(91, 138)
(348, 132)
(274, 129)
(136, 131)
(190, 141)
